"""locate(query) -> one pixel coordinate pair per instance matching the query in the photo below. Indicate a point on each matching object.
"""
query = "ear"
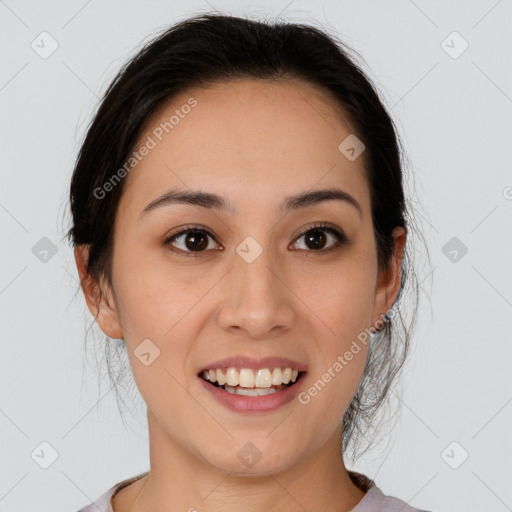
(102, 306)
(388, 283)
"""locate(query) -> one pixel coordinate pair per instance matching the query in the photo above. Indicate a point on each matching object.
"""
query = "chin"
(248, 458)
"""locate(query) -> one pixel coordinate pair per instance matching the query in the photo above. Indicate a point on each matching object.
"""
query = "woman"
(239, 221)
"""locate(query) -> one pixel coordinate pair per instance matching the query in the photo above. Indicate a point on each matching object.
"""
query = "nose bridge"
(257, 301)
(252, 269)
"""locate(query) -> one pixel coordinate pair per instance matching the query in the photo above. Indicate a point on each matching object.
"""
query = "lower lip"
(249, 404)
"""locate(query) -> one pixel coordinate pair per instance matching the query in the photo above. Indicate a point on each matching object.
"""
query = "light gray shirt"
(373, 501)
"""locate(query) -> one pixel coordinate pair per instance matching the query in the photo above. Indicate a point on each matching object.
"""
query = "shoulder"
(375, 500)
(104, 502)
(392, 504)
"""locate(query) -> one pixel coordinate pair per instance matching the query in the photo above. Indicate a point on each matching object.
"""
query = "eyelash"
(341, 239)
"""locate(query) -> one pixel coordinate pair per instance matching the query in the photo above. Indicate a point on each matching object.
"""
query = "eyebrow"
(214, 201)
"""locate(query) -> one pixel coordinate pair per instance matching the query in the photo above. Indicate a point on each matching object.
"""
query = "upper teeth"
(248, 378)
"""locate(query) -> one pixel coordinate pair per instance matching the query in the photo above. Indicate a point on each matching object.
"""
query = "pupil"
(311, 238)
(194, 245)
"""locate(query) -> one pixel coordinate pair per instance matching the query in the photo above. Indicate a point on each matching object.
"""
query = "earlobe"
(388, 284)
(98, 296)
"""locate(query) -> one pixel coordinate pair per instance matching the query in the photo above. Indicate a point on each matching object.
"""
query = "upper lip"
(245, 361)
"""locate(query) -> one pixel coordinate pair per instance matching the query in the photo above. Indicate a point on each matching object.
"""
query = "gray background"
(454, 117)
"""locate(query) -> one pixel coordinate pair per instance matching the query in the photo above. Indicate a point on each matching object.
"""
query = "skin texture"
(255, 143)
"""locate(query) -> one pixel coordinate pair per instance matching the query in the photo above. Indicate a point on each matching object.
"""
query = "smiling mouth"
(253, 390)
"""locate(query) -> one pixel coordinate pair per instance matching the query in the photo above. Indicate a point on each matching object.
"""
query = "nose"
(257, 301)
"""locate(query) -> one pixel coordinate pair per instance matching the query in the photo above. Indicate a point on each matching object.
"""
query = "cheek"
(158, 349)
(331, 387)
(157, 329)
(340, 307)
(153, 300)
(340, 299)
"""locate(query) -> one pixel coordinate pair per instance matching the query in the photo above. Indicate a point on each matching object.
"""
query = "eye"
(192, 240)
(315, 238)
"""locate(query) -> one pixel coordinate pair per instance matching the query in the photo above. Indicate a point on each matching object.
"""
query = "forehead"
(254, 141)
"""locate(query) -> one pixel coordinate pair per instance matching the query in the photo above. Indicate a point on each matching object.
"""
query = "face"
(194, 284)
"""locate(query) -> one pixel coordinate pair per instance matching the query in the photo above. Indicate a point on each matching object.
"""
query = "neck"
(181, 480)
